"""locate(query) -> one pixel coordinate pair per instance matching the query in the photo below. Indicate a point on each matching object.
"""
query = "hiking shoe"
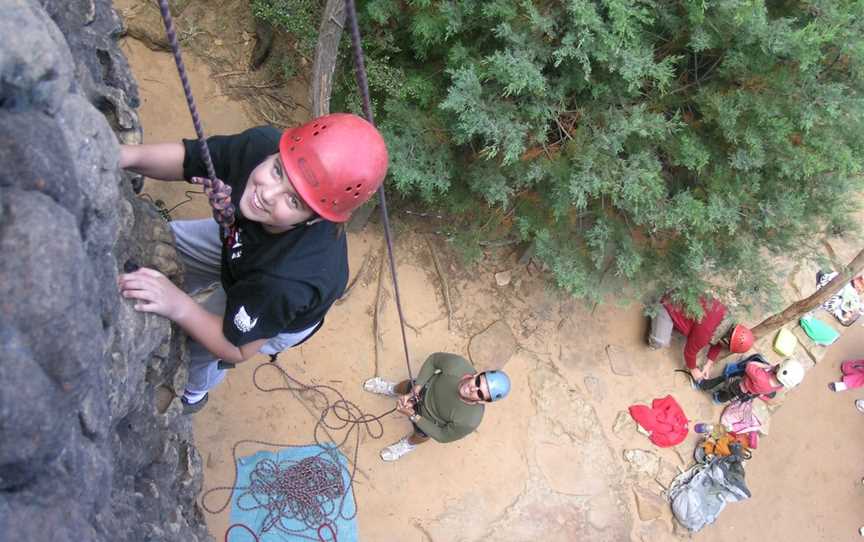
(859, 404)
(192, 408)
(380, 386)
(397, 450)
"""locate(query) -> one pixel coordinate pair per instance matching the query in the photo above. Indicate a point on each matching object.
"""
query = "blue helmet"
(499, 384)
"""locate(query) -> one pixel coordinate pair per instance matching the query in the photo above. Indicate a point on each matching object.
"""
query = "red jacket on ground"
(664, 420)
(698, 333)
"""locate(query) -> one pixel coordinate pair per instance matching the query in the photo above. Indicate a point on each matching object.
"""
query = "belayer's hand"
(405, 405)
(154, 293)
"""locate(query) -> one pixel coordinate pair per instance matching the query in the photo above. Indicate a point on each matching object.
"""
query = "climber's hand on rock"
(154, 293)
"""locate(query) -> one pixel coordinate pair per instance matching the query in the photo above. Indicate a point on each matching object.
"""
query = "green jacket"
(443, 415)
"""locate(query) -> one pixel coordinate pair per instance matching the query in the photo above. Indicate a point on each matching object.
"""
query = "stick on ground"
(445, 287)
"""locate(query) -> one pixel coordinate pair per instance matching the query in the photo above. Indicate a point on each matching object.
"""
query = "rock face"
(87, 452)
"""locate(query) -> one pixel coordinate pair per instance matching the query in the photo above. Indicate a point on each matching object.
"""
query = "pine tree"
(642, 145)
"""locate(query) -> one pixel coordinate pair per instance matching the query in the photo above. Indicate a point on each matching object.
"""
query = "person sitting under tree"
(446, 403)
(717, 329)
(283, 262)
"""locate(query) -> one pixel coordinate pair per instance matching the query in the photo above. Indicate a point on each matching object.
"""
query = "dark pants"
(727, 389)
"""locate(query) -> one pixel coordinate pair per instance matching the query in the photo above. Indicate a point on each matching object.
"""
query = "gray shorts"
(200, 249)
(661, 328)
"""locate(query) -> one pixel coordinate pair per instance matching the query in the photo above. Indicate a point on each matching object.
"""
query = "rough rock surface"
(85, 452)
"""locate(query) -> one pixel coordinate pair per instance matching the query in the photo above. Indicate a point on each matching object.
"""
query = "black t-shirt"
(275, 283)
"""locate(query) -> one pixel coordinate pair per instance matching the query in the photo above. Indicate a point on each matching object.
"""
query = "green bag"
(819, 331)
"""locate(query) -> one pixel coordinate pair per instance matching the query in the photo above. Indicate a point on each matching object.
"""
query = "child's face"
(270, 198)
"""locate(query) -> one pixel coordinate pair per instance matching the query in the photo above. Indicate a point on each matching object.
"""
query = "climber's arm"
(154, 292)
(162, 161)
(206, 328)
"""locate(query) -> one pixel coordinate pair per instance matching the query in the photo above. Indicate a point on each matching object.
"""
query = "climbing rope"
(363, 83)
(217, 191)
(302, 491)
(306, 491)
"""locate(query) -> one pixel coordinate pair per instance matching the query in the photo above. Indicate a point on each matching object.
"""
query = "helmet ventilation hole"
(359, 185)
(356, 194)
(323, 200)
(315, 133)
(323, 126)
(348, 189)
(291, 149)
(297, 138)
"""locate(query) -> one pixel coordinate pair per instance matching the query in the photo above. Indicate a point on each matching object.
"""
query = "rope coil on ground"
(304, 491)
(308, 491)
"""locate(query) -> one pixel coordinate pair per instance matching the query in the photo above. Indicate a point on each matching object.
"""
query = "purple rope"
(218, 192)
(337, 415)
(363, 83)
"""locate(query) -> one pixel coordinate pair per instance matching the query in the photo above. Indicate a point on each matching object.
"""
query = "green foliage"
(643, 145)
(300, 18)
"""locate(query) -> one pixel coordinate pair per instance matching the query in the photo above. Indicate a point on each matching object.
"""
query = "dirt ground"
(551, 461)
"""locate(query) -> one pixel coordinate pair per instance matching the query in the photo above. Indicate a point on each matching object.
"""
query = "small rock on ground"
(649, 505)
(619, 360)
(623, 423)
(643, 462)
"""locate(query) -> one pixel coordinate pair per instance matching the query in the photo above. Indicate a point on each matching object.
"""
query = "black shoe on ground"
(192, 408)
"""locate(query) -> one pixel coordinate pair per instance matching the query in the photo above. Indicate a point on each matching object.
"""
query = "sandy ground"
(807, 478)
(549, 462)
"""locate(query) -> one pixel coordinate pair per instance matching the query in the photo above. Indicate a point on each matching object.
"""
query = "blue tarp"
(346, 530)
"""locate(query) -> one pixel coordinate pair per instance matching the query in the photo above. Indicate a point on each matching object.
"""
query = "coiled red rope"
(306, 491)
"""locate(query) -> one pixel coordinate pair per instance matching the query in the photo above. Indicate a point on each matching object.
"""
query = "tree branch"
(799, 308)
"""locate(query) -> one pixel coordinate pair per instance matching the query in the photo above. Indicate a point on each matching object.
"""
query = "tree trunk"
(326, 52)
(321, 87)
(799, 308)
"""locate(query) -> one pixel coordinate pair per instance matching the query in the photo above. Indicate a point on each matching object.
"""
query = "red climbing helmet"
(741, 339)
(336, 162)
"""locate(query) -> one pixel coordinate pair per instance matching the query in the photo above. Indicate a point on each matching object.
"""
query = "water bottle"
(703, 427)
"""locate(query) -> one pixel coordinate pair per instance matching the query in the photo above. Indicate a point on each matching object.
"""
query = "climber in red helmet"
(283, 262)
(716, 329)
